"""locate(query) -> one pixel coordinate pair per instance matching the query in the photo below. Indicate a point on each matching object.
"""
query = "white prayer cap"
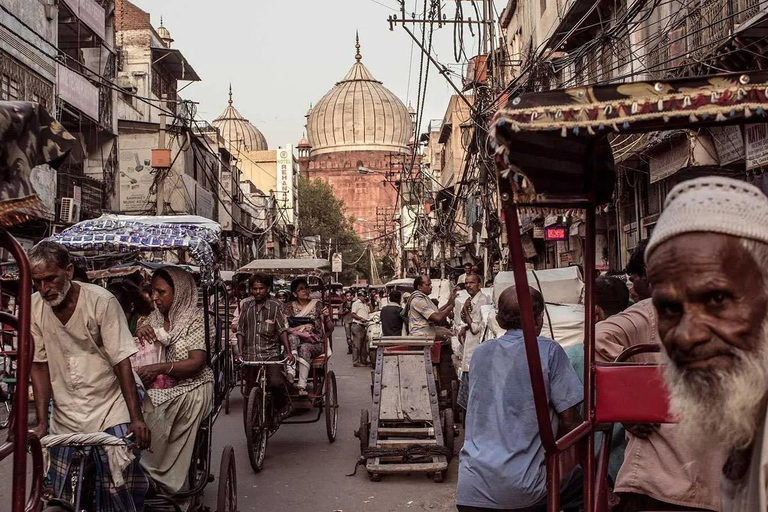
(712, 204)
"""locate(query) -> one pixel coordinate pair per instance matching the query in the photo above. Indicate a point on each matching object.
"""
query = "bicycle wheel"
(256, 434)
(227, 498)
(331, 407)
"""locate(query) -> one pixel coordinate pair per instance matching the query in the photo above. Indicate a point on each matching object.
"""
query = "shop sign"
(757, 145)
(538, 232)
(336, 262)
(558, 233)
(78, 91)
(285, 182)
(529, 250)
(566, 257)
(729, 143)
(666, 163)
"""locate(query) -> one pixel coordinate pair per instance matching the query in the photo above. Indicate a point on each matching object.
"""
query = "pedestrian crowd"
(131, 361)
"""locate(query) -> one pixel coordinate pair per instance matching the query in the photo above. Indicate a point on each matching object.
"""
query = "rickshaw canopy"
(317, 267)
(577, 123)
(127, 233)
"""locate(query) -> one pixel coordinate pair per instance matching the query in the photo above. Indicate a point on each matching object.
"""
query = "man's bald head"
(509, 316)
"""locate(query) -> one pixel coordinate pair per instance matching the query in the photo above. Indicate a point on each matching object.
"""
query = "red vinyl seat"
(631, 393)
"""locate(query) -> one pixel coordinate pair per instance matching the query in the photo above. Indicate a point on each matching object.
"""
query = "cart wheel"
(256, 434)
(438, 476)
(449, 433)
(364, 432)
(227, 499)
(331, 407)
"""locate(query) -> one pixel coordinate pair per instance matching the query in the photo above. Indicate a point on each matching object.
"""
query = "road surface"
(303, 472)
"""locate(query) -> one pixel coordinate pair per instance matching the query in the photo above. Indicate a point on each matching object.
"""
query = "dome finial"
(161, 21)
(230, 94)
(358, 57)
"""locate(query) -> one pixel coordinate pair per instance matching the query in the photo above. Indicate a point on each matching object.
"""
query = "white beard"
(61, 296)
(723, 405)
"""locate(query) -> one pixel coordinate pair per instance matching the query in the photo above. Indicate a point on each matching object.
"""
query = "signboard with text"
(284, 195)
(756, 136)
(556, 233)
(729, 143)
(336, 262)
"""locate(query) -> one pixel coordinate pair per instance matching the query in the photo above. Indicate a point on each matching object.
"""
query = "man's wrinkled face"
(710, 299)
(472, 284)
(711, 303)
(426, 286)
(51, 281)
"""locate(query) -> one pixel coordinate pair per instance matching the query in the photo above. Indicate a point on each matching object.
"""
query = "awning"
(175, 63)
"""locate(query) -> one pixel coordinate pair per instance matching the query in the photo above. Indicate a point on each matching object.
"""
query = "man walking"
(346, 318)
(467, 271)
(360, 316)
(470, 333)
(82, 360)
(501, 466)
(261, 331)
(392, 316)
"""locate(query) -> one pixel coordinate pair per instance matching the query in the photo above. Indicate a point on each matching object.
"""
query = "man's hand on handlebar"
(141, 434)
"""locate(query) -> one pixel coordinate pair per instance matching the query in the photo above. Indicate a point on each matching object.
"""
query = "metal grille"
(21, 83)
(745, 9)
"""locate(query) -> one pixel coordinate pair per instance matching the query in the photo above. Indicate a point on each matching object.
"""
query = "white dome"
(241, 135)
(359, 114)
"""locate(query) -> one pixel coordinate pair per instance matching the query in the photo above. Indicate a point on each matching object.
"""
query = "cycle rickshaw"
(29, 137)
(195, 236)
(260, 423)
(554, 156)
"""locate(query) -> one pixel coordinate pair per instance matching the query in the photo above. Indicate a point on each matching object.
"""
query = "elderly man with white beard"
(708, 271)
(82, 360)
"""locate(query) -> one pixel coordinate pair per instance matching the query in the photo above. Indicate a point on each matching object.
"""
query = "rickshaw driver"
(82, 359)
(260, 332)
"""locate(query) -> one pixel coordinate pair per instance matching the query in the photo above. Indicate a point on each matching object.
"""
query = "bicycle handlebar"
(259, 363)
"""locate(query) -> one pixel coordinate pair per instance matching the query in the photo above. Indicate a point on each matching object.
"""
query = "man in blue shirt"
(502, 464)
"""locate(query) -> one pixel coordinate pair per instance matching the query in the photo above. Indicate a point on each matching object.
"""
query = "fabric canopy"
(125, 233)
(29, 137)
(554, 145)
(288, 266)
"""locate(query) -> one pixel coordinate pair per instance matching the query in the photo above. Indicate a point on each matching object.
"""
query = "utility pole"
(161, 165)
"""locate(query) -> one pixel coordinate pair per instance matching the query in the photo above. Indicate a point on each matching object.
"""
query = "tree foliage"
(321, 213)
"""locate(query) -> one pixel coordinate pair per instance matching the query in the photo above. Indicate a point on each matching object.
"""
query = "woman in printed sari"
(181, 388)
(306, 340)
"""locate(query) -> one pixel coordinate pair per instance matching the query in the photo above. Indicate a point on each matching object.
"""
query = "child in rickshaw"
(306, 317)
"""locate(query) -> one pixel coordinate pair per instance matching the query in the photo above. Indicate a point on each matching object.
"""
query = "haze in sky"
(283, 55)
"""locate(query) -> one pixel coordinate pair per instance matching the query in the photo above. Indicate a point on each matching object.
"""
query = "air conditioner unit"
(70, 210)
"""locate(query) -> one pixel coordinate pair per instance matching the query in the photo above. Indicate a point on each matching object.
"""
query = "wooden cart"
(406, 433)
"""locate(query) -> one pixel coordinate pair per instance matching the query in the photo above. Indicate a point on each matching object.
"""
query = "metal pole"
(160, 192)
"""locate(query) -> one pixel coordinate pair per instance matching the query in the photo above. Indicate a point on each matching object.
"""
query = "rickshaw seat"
(319, 361)
(631, 393)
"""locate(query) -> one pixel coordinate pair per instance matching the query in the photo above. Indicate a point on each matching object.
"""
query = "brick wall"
(130, 17)
(361, 193)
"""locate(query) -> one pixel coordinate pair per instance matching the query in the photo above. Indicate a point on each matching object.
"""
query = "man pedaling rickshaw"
(82, 360)
(260, 333)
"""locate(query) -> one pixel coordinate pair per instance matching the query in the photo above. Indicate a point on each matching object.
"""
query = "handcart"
(406, 431)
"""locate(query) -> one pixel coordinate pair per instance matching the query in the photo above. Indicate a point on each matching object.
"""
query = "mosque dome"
(359, 114)
(237, 131)
(164, 34)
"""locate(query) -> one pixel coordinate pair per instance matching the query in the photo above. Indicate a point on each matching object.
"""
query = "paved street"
(303, 472)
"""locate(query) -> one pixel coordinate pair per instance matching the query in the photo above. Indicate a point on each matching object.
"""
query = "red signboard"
(556, 233)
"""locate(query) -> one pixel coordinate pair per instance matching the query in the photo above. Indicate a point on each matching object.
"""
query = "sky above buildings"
(281, 56)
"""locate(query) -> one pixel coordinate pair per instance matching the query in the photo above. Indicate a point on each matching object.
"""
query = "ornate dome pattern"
(359, 114)
(241, 135)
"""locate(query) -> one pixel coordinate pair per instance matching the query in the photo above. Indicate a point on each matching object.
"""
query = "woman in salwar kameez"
(307, 341)
(181, 388)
